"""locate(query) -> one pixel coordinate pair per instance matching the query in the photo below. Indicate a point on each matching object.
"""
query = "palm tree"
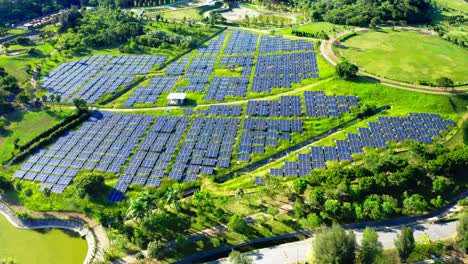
(148, 200)
(136, 210)
(172, 196)
(58, 98)
(52, 99)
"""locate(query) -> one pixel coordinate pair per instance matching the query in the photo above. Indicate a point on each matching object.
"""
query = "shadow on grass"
(364, 79)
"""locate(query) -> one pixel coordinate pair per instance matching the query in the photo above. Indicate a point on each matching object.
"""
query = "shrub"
(92, 185)
(444, 82)
(346, 70)
(237, 224)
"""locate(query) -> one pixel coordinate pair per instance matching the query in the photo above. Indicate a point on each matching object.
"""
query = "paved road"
(300, 250)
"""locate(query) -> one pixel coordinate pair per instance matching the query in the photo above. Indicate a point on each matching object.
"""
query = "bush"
(140, 256)
(156, 249)
(444, 82)
(237, 224)
(5, 184)
(346, 70)
(92, 185)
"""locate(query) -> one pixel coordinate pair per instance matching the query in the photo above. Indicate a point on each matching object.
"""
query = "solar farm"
(263, 63)
(214, 138)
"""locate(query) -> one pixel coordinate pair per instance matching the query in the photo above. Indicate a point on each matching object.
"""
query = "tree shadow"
(364, 79)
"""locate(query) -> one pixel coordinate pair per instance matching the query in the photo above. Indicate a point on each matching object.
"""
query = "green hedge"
(50, 137)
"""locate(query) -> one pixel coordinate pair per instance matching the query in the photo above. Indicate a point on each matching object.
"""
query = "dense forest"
(360, 12)
(14, 11)
(351, 12)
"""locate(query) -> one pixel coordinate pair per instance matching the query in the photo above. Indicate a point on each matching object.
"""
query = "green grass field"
(315, 27)
(454, 4)
(16, 65)
(26, 126)
(406, 56)
(40, 246)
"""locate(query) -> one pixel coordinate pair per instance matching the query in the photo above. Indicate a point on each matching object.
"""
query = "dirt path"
(327, 52)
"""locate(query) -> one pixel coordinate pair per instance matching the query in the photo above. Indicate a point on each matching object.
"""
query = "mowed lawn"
(407, 56)
(315, 27)
(26, 126)
(454, 4)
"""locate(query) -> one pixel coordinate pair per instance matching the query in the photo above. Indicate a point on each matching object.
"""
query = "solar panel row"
(420, 127)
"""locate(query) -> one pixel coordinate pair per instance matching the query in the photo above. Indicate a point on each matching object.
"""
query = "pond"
(46, 246)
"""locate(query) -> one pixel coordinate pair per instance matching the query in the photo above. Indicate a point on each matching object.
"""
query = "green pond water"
(50, 246)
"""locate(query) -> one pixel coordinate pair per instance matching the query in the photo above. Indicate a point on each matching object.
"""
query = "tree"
(52, 99)
(80, 104)
(58, 99)
(3, 122)
(237, 224)
(370, 248)
(173, 197)
(334, 245)
(136, 210)
(235, 257)
(346, 70)
(239, 193)
(300, 185)
(414, 204)
(92, 185)
(444, 82)
(23, 98)
(462, 232)
(156, 249)
(404, 243)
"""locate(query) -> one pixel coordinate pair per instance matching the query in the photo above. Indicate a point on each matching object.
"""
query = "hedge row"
(49, 131)
(46, 140)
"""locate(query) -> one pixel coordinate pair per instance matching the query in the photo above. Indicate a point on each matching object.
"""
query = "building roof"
(177, 96)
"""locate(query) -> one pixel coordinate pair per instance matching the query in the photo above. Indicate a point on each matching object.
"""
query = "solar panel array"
(202, 65)
(69, 76)
(420, 127)
(103, 143)
(291, 63)
(102, 84)
(287, 106)
(281, 70)
(239, 61)
(178, 67)
(151, 160)
(208, 144)
(225, 110)
(221, 87)
(279, 44)
(98, 74)
(261, 133)
(214, 46)
(320, 105)
(197, 83)
(133, 64)
(241, 42)
(149, 94)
